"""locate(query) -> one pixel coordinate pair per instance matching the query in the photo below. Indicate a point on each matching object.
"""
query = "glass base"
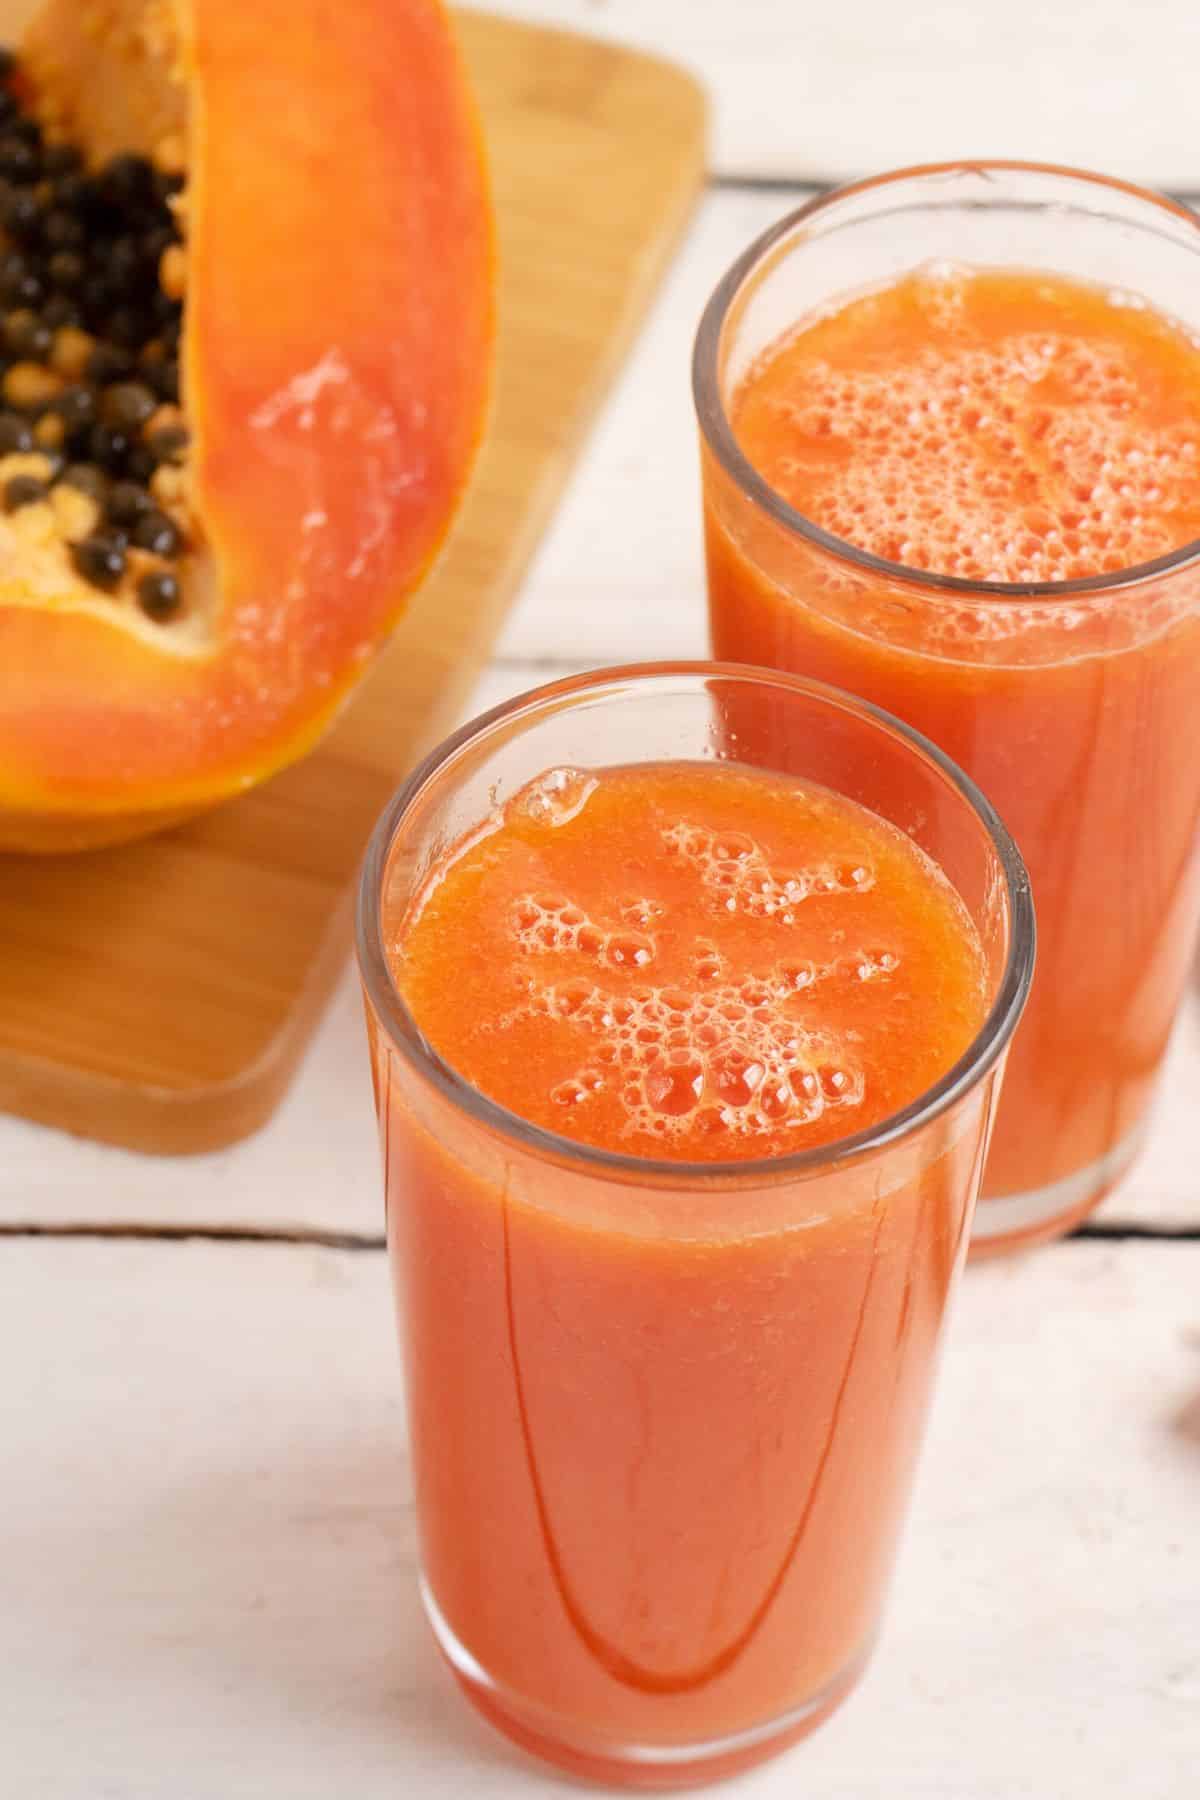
(643, 1766)
(1018, 1221)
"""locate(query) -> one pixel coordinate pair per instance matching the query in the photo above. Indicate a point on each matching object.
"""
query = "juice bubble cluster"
(719, 1051)
(726, 1057)
(1030, 458)
(543, 922)
(736, 873)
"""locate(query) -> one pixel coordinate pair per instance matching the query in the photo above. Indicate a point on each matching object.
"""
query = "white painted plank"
(828, 92)
(620, 572)
(209, 1547)
(505, 680)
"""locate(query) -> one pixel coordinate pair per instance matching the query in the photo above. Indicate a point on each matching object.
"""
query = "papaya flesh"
(324, 175)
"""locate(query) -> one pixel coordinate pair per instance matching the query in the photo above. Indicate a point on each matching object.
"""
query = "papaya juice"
(662, 1426)
(1006, 427)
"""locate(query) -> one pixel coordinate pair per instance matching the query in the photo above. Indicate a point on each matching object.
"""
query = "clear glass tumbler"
(1072, 704)
(664, 1416)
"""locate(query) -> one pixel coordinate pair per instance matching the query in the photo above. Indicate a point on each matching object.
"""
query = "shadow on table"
(1186, 1422)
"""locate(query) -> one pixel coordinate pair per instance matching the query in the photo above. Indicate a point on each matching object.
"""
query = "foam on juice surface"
(717, 1053)
(680, 981)
(1000, 426)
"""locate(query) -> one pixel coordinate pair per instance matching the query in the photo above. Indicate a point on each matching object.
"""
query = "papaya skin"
(337, 341)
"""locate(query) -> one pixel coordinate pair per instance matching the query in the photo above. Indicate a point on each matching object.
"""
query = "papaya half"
(245, 331)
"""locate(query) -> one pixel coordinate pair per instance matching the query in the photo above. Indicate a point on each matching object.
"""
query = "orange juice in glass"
(951, 446)
(684, 1066)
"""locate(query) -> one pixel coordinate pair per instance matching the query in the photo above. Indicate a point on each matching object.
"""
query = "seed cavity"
(93, 440)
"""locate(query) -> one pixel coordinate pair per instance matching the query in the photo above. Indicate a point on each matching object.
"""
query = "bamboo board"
(160, 995)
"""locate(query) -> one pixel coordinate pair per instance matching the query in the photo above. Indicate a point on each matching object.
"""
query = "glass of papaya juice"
(685, 1057)
(950, 424)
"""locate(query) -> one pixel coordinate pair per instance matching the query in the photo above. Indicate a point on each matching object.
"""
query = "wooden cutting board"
(160, 995)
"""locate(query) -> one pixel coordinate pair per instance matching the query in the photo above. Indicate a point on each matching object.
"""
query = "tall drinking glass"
(664, 1415)
(1072, 703)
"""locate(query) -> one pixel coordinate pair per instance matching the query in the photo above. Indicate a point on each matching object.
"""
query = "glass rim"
(405, 1035)
(718, 433)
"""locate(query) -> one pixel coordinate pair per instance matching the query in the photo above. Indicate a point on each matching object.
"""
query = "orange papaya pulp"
(336, 337)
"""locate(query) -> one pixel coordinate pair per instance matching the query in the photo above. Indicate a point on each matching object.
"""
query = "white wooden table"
(206, 1535)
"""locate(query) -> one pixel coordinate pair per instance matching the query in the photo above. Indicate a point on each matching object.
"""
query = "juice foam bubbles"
(993, 426)
(711, 964)
(713, 1051)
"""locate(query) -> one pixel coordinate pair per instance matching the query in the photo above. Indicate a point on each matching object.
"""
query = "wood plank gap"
(743, 182)
(1114, 1232)
(209, 1234)
(746, 183)
(1099, 1231)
